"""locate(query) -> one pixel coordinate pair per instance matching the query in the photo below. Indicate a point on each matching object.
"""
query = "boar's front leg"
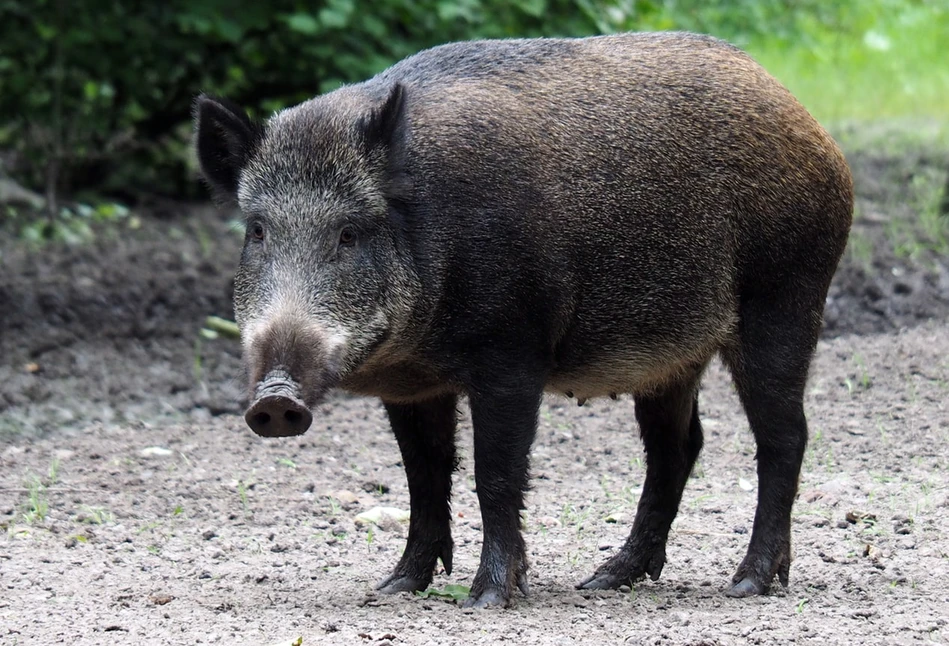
(426, 436)
(505, 422)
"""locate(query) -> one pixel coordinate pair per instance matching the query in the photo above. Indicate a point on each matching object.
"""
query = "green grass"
(928, 234)
(860, 248)
(934, 223)
(242, 494)
(888, 62)
(37, 506)
(96, 515)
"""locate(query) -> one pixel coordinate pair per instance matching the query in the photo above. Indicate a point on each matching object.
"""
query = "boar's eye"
(347, 237)
(257, 231)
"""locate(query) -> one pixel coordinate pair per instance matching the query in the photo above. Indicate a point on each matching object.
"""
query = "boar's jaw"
(277, 409)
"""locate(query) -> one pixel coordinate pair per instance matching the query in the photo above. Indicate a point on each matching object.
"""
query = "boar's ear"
(225, 138)
(379, 126)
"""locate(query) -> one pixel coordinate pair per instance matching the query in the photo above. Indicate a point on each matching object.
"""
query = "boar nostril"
(278, 416)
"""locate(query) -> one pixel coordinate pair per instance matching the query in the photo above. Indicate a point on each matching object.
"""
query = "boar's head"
(324, 274)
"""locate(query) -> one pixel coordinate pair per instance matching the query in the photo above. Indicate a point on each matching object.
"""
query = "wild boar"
(497, 219)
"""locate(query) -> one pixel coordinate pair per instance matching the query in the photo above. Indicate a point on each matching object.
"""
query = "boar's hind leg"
(504, 427)
(426, 436)
(769, 367)
(672, 435)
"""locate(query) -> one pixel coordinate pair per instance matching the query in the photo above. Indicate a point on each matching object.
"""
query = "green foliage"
(99, 93)
(95, 96)
(70, 225)
(451, 591)
(868, 60)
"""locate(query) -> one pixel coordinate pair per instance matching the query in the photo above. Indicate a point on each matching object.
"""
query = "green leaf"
(208, 334)
(375, 27)
(229, 30)
(534, 8)
(84, 210)
(223, 326)
(303, 23)
(336, 16)
(110, 211)
(236, 73)
(46, 32)
(450, 591)
(449, 11)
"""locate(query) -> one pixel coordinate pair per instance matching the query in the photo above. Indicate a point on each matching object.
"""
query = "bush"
(95, 95)
(98, 94)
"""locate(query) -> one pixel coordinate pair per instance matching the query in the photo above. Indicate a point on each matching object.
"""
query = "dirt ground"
(138, 508)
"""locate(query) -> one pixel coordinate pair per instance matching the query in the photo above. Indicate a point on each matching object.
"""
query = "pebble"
(386, 518)
(345, 497)
(156, 452)
(902, 525)
(375, 487)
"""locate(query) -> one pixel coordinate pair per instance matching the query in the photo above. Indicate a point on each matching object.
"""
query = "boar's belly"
(632, 372)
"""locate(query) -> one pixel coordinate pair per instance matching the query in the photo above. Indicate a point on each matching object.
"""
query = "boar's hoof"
(627, 567)
(755, 574)
(396, 583)
(278, 416)
(603, 581)
(747, 587)
(491, 597)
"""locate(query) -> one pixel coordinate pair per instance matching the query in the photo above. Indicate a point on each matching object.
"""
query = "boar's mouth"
(278, 410)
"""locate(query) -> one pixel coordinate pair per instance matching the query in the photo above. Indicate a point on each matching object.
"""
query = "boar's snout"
(276, 416)
(291, 366)
(277, 410)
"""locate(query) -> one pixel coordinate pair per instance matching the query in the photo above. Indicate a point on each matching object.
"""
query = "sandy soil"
(138, 508)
